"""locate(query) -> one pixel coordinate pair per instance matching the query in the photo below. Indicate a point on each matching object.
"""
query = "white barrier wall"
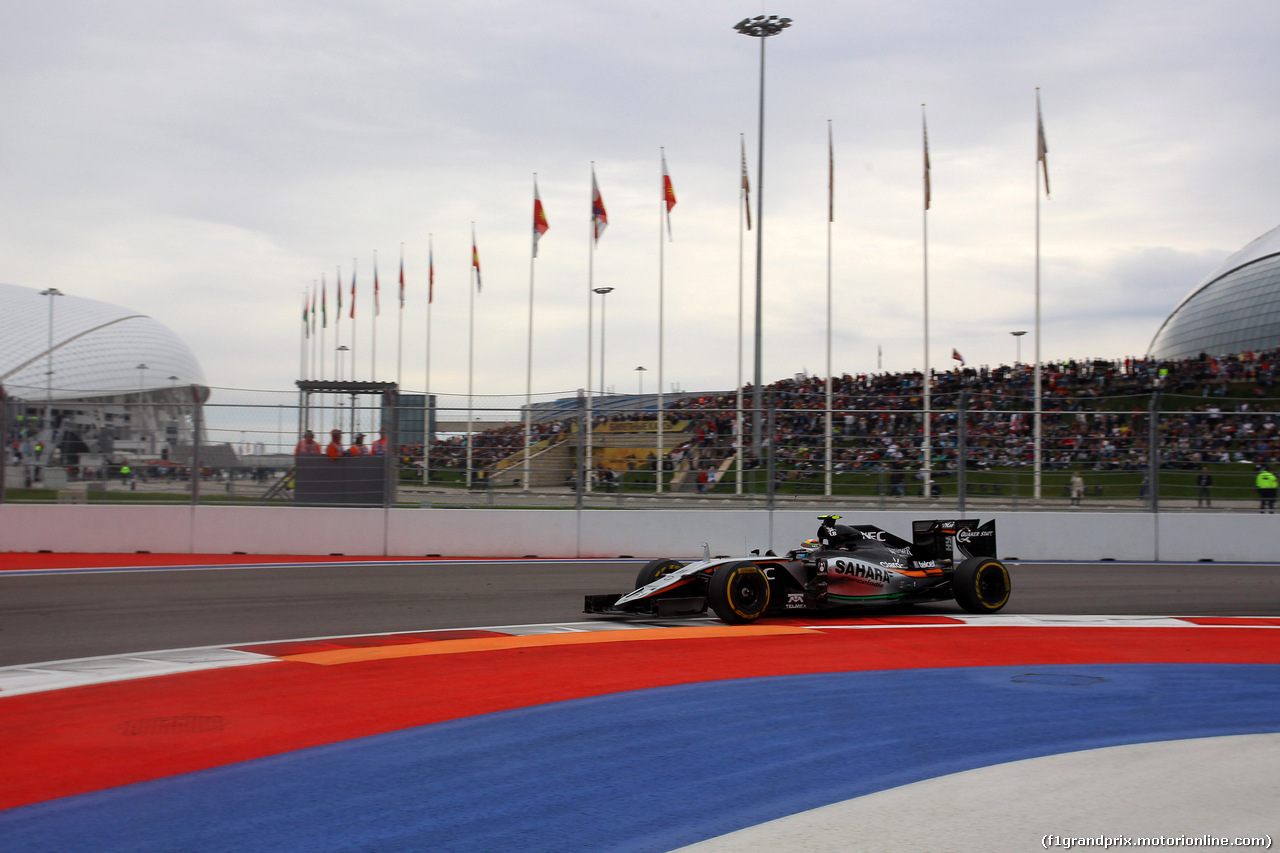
(599, 533)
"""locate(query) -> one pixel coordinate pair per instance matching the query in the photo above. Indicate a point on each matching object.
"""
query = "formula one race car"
(844, 566)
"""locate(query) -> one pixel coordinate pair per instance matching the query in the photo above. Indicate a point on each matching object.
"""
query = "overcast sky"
(206, 162)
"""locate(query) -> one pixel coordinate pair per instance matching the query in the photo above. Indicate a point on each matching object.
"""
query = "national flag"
(1042, 147)
(324, 302)
(540, 224)
(431, 272)
(401, 275)
(927, 188)
(314, 291)
(338, 279)
(599, 218)
(831, 176)
(746, 182)
(377, 306)
(955, 353)
(668, 191)
(475, 259)
(353, 290)
(306, 318)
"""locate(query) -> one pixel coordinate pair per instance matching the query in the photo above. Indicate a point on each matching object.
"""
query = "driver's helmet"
(840, 537)
(810, 545)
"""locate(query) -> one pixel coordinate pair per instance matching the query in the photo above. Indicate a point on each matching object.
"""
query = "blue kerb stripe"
(655, 769)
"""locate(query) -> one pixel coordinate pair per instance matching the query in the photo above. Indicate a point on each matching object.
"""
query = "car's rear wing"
(955, 539)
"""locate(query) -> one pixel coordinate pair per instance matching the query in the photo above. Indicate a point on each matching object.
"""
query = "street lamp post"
(640, 375)
(760, 27)
(1017, 336)
(603, 291)
(338, 400)
(340, 351)
(50, 292)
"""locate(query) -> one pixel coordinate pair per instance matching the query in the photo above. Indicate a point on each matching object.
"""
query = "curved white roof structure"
(1233, 309)
(97, 348)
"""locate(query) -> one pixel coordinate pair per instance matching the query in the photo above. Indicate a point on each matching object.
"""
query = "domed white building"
(1236, 308)
(107, 379)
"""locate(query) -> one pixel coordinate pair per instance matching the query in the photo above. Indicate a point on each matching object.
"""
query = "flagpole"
(927, 462)
(353, 318)
(591, 260)
(337, 323)
(311, 352)
(426, 394)
(354, 361)
(302, 355)
(315, 342)
(400, 330)
(528, 357)
(315, 339)
(335, 400)
(471, 350)
(661, 316)
(373, 350)
(831, 215)
(324, 324)
(1041, 152)
(744, 210)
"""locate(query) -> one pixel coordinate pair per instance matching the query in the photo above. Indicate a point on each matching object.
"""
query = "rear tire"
(655, 569)
(981, 585)
(738, 592)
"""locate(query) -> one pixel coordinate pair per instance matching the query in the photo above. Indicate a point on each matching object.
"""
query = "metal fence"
(1150, 451)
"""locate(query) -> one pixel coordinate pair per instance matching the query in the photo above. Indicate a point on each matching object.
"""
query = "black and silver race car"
(844, 566)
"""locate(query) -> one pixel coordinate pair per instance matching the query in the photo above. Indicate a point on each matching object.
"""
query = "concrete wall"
(599, 533)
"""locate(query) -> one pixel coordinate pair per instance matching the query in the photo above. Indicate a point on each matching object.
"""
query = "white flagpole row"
(400, 324)
(662, 203)
(528, 370)
(927, 461)
(831, 215)
(373, 337)
(471, 350)
(426, 396)
(1042, 159)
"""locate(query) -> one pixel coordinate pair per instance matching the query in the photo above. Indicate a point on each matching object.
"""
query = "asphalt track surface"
(55, 616)
(933, 730)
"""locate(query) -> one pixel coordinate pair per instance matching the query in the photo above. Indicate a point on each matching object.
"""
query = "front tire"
(738, 592)
(981, 585)
(655, 569)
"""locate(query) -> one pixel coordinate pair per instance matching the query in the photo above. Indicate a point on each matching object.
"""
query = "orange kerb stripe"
(494, 644)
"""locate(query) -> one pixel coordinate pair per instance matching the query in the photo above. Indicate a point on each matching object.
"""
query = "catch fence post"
(1153, 448)
(962, 451)
(580, 479)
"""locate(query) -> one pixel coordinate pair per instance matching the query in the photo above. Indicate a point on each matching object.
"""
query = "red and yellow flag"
(540, 224)
(668, 191)
(599, 217)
